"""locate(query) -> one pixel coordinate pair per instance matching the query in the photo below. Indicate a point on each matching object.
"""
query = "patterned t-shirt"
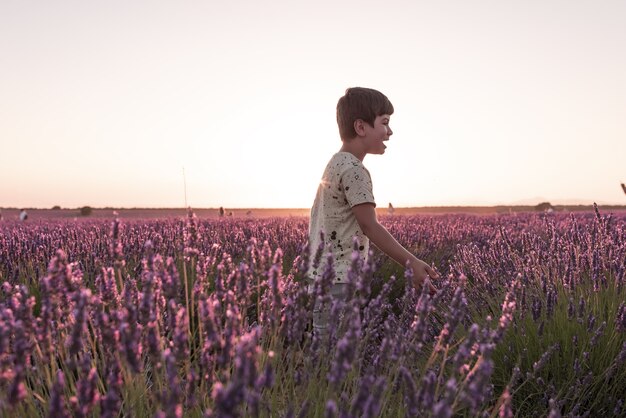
(345, 183)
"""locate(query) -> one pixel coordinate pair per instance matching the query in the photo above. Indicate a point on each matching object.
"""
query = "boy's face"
(376, 135)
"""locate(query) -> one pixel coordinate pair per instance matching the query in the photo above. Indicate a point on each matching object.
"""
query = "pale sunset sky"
(497, 102)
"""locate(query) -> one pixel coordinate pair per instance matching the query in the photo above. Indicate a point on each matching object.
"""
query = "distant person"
(390, 209)
(344, 205)
(23, 215)
(221, 211)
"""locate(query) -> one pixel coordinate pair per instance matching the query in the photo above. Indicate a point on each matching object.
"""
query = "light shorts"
(321, 314)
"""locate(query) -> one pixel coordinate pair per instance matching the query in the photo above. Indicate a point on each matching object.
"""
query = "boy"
(344, 206)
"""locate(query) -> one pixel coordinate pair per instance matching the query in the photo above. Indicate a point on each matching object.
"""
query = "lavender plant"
(199, 317)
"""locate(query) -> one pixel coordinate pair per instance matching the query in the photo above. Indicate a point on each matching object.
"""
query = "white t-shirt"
(345, 183)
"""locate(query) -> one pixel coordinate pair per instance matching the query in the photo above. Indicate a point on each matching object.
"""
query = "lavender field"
(212, 318)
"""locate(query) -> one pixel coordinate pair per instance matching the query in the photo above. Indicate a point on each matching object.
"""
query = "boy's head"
(360, 103)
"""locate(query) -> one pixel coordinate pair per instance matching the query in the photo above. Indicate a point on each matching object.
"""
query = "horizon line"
(529, 205)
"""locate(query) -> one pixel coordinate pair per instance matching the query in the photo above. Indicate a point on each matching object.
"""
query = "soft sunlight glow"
(103, 104)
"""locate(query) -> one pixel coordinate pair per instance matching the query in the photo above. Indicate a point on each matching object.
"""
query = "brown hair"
(360, 103)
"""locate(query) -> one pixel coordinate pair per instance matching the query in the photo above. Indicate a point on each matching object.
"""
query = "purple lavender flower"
(191, 235)
(17, 389)
(17, 327)
(87, 395)
(171, 397)
(576, 367)
(476, 383)
(334, 327)
(443, 408)
(411, 400)
(111, 402)
(151, 286)
(506, 410)
(597, 334)
(419, 327)
(358, 402)
(617, 363)
(426, 393)
(276, 290)
(591, 322)
(191, 384)
(346, 350)
(457, 310)
(620, 318)
(536, 309)
(301, 262)
(116, 248)
(153, 341)
(56, 407)
(570, 309)
(130, 329)
(232, 329)
(331, 410)
(229, 397)
(372, 405)
(107, 329)
(538, 365)
(266, 379)
(581, 308)
(170, 280)
(107, 288)
(555, 410)
(464, 352)
(508, 309)
(75, 340)
(180, 340)
(550, 303)
(319, 251)
(295, 316)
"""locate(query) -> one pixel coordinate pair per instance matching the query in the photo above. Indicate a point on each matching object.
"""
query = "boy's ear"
(359, 128)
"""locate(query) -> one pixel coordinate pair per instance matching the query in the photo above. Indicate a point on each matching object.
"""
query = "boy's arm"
(365, 214)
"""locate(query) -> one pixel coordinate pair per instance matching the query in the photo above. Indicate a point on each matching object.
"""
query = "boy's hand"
(422, 271)
(365, 215)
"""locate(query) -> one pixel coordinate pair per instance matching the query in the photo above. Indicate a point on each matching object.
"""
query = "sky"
(232, 103)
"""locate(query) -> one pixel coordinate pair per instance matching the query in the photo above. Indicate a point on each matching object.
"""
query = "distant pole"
(185, 186)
